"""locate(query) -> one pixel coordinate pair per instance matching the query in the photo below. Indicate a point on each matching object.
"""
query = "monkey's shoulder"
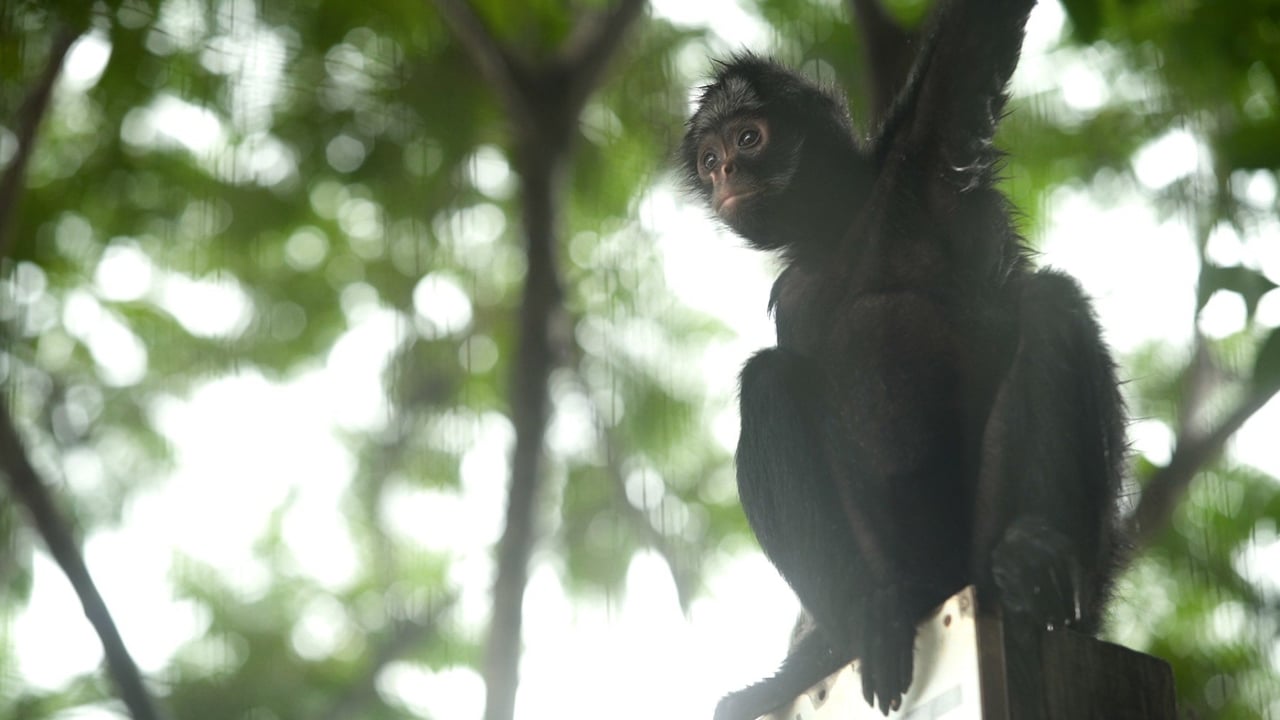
(827, 313)
(834, 288)
(798, 286)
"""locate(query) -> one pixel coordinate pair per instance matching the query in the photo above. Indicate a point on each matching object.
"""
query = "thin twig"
(1169, 484)
(657, 540)
(23, 480)
(33, 494)
(30, 114)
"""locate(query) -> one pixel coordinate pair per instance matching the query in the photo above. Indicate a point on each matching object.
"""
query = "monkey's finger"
(908, 665)
(868, 683)
(900, 680)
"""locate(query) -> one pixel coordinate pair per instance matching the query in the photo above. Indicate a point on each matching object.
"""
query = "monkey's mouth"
(727, 204)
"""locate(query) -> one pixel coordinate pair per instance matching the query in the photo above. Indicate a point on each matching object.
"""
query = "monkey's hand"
(888, 648)
(1034, 569)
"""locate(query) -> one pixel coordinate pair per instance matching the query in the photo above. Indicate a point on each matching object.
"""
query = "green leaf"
(1250, 284)
(1266, 368)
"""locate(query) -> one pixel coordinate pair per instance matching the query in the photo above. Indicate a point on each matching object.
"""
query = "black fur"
(936, 412)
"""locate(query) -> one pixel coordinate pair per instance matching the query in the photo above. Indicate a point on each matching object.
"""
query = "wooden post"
(971, 665)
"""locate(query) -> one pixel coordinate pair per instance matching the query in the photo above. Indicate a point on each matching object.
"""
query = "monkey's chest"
(876, 331)
(901, 381)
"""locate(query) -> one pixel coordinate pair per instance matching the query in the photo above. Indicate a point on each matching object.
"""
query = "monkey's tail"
(810, 661)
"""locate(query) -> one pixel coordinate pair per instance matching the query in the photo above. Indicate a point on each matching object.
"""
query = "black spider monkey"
(936, 412)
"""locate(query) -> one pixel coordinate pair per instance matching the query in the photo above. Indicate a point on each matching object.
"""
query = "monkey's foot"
(887, 653)
(1034, 570)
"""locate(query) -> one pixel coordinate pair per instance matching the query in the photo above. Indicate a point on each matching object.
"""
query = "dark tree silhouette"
(542, 101)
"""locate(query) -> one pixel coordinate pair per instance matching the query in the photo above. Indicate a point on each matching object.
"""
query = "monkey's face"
(739, 166)
(766, 150)
(728, 161)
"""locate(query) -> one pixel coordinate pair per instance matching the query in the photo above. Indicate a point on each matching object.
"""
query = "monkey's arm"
(1052, 458)
(791, 476)
(955, 94)
(786, 492)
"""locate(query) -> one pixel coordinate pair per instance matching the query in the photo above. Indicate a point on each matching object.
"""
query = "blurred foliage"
(294, 169)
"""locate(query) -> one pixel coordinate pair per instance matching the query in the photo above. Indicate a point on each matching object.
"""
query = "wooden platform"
(971, 665)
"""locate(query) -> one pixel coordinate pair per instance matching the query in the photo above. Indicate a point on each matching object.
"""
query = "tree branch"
(30, 114)
(1169, 484)
(652, 536)
(888, 48)
(1199, 382)
(506, 73)
(594, 42)
(31, 491)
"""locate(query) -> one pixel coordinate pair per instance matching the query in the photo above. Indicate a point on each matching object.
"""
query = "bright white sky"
(639, 658)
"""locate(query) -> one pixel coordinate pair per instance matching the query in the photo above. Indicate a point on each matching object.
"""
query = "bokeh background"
(363, 359)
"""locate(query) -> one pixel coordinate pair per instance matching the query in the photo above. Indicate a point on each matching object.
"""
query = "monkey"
(936, 411)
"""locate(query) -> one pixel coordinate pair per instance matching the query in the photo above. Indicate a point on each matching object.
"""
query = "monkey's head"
(765, 150)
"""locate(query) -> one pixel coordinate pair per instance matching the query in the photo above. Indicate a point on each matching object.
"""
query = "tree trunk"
(539, 170)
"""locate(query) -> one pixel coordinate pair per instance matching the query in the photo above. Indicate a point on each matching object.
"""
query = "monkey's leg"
(1053, 453)
(787, 488)
(823, 526)
(902, 492)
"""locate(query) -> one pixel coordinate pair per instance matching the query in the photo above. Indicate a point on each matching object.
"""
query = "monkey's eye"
(709, 161)
(748, 138)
